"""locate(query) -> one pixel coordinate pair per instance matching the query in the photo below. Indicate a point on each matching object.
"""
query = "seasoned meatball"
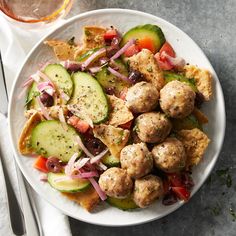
(177, 99)
(136, 159)
(142, 97)
(115, 182)
(153, 127)
(169, 156)
(147, 190)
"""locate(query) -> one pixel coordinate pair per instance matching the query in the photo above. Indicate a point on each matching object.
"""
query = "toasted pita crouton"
(145, 63)
(88, 199)
(202, 78)
(114, 138)
(195, 143)
(93, 37)
(201, 117)
(53, 111)
(23, 143)
(119, 114)
(62, 50)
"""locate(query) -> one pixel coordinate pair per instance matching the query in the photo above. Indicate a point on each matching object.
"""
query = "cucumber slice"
(189, 122)
(149, 31)
(170, 76)
(110, 81)
(31, 102)
(89, 97)
(123, 204)
(70, 185)
(110, 160)
(49, 138)
(61, 78)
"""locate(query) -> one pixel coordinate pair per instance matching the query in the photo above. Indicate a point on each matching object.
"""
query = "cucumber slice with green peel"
(123, 204)
(110, 161)
(148, 31)
(67, 185)
(89, 97)
(31, 102)
(61, 78)
(170, 76)
(50, 138)
(110, 81)
(189, 122)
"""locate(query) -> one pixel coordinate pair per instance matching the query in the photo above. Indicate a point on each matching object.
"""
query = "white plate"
(123, 20)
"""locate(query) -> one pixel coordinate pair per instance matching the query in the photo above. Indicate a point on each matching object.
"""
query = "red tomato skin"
(133, 49)
(175, 180)
(168, 49)
(110, 34)
(182, 193)
(40, 164)
(127, 125)
(163, 62)
(146, 43)
(123, 94)
(79, 124)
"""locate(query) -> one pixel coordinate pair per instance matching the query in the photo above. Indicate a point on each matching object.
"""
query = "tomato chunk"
(182, 193)
(127, 125)
(133, 49)
(110, 34)
(40, 164)
(163, 63)
(175, 180)
(146, 43)
(81, 125)
(168, 49)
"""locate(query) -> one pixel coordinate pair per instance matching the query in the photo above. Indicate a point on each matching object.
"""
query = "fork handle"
(15, 213)
(30, 219)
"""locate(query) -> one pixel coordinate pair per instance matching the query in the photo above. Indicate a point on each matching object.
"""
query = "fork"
(28, 222)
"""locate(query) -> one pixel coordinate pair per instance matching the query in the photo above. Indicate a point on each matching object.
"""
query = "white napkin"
(15, 43)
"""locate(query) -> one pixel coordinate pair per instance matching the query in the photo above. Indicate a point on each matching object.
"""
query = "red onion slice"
(119, 75)
(123, 49)
(43, 109)
(98, 157)
(102, 166)
(28, 82)
(70, 165)
(71, 65)
(101, 194)
(45, 78)
(81, 163)
(47, 87)
(93, 57)
(62, 119)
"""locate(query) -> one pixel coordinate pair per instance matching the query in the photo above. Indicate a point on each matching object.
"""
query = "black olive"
(135, 76)
(54, 165)
(199, 99)
(46, 99)
(169, 199)
(110, 91)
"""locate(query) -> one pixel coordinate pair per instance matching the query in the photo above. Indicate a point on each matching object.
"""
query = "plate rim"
(127, 11)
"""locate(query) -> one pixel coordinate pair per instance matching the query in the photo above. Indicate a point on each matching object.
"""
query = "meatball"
(142, 97)
(177, 99)
(147, 190)
(115, 182)
(136, 159)
(169, 156)
(153, 127)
